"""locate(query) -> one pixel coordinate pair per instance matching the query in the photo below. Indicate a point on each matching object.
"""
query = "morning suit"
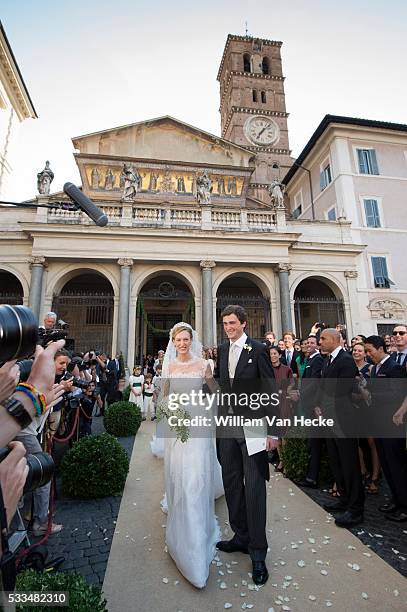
(244, 476)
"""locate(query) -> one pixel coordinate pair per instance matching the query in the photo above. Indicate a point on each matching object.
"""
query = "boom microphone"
(97, 215)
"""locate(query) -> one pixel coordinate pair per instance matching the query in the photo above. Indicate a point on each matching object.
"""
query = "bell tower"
(252, 106)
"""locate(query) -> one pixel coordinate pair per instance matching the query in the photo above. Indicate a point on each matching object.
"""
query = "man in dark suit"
(335, 401)
(308, 395)
(289, 355)
(244, 368)
(400, 337)
(386, 399)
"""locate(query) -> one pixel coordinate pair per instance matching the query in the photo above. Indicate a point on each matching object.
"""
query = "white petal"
(311, 540)
(312, 597)
(165, 580)
(396, 593)
(328, 604)
(227, 606)
(223, 585)
(367, 554)
(365, 596)
(324, 572)
(301, 563)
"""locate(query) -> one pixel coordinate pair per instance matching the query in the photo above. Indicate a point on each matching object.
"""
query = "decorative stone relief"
(207, 264)
(125, 261)
(387, 309)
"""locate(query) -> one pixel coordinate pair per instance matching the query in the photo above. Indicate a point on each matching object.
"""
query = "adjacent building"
(356, 169)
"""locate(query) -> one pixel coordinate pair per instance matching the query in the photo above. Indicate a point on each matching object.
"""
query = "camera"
(77, 382)
(73, 399)
(52, 335)
(18, 332)
(40, 469)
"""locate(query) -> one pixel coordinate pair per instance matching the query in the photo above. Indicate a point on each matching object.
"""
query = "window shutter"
(373, 162)
(362, 161)
(372, 213)
(322, 182)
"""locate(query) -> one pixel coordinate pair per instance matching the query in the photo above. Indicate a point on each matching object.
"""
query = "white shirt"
(334, 353)
(239, 344)
(313, 354)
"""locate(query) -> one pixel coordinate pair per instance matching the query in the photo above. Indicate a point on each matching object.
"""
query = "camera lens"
(40, 470)
(25, 369)
(18, 332)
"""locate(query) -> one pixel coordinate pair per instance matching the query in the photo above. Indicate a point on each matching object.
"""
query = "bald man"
(335, 400)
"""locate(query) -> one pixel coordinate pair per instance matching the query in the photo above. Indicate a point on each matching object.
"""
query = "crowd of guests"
(323, 375)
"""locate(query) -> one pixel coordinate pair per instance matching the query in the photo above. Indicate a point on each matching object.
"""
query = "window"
(246, 63)
(367, 161)
(297, 211)
(372, 213)
(331, 214)
(265, 65)
(254, 95)
(380, 273)
(325, 177)
(263, 97)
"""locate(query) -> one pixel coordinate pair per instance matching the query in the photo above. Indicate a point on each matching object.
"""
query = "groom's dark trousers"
(244, 476)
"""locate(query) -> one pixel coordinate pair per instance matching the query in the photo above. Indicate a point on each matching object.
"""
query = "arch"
(248, 290)
(62, 277)
(257, 278)
(331, 281)
(265, 65)
(11, 289)
(184, 276)
(19, 276)
(254, 95)
(263, 97)
(317, 298)
(247, 61)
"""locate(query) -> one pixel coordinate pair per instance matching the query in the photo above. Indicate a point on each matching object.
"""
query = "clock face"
(261, 130)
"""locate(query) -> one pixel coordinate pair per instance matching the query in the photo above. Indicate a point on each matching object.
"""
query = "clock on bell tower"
(252, 106)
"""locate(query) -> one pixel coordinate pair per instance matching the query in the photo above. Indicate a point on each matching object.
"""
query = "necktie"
(288, 357)
(232, 360)
(329, 360)
(379, 365)
(399, 358)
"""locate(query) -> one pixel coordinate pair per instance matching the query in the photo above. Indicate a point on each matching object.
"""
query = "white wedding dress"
(190, 467)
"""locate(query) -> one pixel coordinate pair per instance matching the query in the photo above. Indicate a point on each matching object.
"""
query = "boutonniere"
(247, 347)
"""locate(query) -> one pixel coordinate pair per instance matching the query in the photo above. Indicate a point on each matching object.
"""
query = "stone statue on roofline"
(203, 189)
(276, 191)
(132, 182)
(44, 180)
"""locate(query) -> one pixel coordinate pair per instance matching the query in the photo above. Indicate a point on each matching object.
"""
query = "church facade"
(192, 227)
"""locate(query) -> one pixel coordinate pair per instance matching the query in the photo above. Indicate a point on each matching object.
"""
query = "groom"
(244, 367)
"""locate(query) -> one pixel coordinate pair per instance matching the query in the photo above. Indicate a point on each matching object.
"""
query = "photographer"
(50, 320)
(29, 438)
(87, 405)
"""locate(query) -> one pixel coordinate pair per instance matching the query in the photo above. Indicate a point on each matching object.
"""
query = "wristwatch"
(16, 409)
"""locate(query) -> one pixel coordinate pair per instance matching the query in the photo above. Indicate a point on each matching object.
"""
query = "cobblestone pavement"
(385, 538)
(89, 525)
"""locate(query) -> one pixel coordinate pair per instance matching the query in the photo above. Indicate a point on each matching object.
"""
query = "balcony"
(174, 217)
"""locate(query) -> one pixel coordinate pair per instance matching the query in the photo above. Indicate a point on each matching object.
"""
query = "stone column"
(285, 303)
(351, 303)
(37, 265)
(124, 305)
(207, 302)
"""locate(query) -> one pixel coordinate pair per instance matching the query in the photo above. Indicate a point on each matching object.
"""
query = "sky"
(93, 65)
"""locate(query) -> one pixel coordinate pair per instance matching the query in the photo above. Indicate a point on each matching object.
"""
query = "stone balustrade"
(197, 217)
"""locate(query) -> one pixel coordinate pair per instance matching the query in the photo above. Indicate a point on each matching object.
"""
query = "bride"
(191, 467)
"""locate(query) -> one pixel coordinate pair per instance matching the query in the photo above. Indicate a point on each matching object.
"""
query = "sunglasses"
(399, 333)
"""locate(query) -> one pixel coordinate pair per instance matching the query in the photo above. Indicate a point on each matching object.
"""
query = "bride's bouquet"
(177, 413)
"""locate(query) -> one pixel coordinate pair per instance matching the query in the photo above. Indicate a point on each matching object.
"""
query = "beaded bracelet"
(32, 397)
(40, 396)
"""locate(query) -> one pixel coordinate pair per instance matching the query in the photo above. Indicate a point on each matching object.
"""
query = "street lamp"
(275, 165)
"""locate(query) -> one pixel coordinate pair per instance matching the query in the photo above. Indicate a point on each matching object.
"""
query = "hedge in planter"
(83, 597)
(122, 419)
(295, 458)
(96, 466)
